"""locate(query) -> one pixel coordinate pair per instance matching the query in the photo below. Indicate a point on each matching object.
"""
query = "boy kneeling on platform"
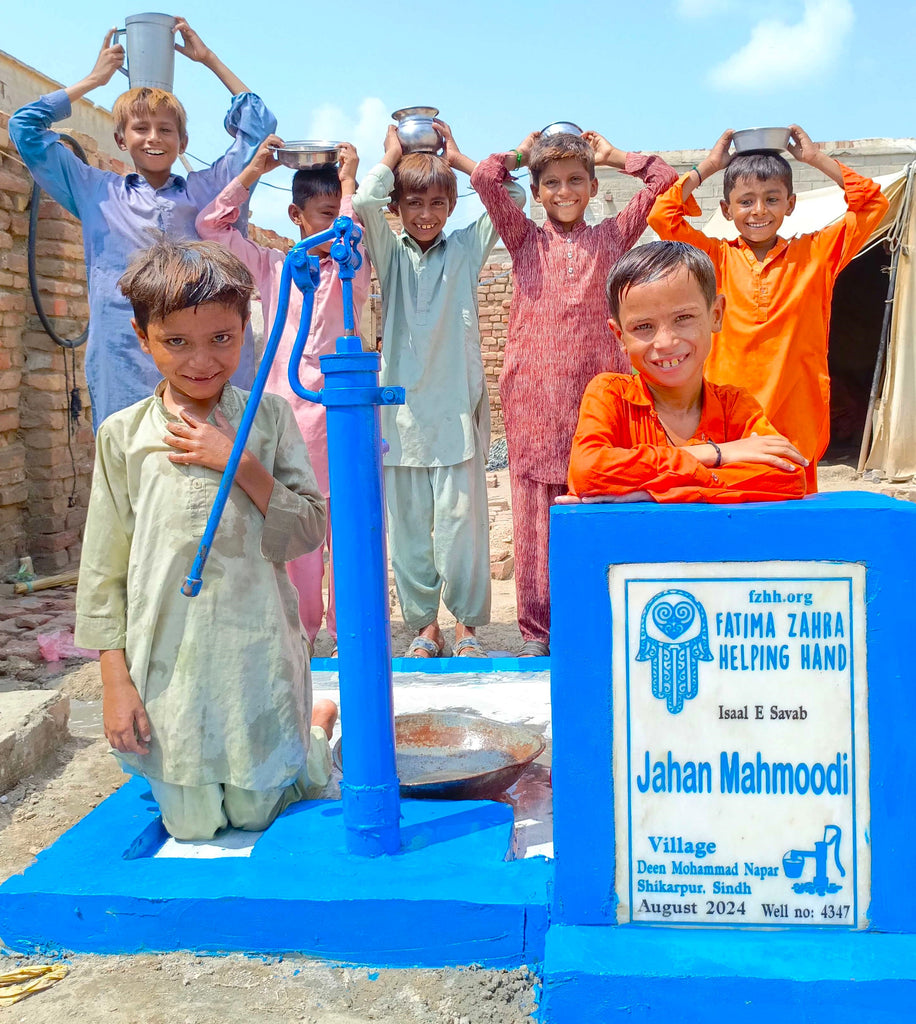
(667, 434)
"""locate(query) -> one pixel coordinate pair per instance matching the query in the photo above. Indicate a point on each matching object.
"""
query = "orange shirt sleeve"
(838, 243)
(668, 219)
(606, 460)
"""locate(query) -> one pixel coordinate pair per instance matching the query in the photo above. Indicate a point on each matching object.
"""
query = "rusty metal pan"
(445, 754)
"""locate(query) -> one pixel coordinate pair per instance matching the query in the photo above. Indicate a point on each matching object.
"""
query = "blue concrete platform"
(450, 897)
(694, 975)
(448, 666)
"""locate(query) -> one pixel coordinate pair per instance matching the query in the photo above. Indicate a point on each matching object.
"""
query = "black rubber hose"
(33, 276)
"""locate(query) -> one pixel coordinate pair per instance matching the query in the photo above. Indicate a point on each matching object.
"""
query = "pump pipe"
(303, 268)
(351, 395)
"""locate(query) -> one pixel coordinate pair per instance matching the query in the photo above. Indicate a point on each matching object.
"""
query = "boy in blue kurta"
(119, 213)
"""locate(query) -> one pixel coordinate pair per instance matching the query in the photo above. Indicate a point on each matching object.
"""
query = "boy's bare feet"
(324, 713)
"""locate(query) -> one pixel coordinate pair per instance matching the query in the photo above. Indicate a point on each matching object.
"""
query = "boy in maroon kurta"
(558, 337)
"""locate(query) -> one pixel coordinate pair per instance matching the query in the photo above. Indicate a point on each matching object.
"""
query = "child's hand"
(452, 152)
(193, 47)
(201, 443)
(606, 155)
(110, 58)
(264, 160)
(393, 149)
(767, 449)
(524, 152)
(801, 146)
(124, 718)
(603, 499)
(719, 157)
(348, 162)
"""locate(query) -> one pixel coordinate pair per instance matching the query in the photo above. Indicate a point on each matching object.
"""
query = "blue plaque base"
(449, 897)
(598, 970)
(695, 975)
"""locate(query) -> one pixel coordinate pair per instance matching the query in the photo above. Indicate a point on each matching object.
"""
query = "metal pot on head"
(416, 131)
(561, 127)
(150, 47)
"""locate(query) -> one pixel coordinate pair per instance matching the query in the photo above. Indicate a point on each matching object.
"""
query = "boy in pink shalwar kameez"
(558, 338)
(319, 196)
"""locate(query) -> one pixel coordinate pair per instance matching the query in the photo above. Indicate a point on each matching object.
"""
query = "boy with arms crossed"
(435, 486)
(557, 337)
(208, 698)
(118, 214)
(774, 339)
(320, 195)
(668, 434)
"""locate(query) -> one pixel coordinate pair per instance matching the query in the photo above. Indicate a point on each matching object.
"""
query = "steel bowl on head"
(307, 154)
(756, 140)
(416, 131)
(558, 127)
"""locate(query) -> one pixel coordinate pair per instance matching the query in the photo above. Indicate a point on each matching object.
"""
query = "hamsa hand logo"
(674, 637)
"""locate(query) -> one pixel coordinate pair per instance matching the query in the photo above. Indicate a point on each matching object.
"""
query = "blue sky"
(671, 74)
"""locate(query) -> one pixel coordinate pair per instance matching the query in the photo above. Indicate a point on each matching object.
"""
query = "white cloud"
(366, 129)
(701, 8)
(788, 54)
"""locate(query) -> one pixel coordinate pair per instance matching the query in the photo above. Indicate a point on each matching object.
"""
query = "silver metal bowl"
(753, 140)
(558, 127)
(447, 754)
(307, 154)
(416, 131)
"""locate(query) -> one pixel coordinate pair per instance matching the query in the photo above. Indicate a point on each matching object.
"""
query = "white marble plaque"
(741, 744)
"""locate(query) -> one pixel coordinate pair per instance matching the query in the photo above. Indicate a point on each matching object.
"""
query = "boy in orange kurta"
(774, 339)
(668, 434)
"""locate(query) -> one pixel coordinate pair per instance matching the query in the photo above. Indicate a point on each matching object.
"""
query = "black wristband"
(718, 461)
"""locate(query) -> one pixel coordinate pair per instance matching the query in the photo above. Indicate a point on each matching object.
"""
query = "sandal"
(470, 647)
(534, 649)
(430, 648)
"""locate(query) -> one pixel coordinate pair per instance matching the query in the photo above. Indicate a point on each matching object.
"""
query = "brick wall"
(45, 457)
(493, 297)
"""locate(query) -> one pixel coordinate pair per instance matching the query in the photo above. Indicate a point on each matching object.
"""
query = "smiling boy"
(119, 214)
(557, 338)
(435, 486)
(209, 699)
(667, 434)
(776, 329)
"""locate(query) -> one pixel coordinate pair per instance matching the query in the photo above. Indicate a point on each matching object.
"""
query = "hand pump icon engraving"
(793, 864)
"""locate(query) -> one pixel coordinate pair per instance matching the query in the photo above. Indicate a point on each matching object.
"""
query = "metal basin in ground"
(445, 754)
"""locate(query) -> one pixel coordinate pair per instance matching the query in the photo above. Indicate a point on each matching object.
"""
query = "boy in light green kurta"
(435, 485)
(208, 698)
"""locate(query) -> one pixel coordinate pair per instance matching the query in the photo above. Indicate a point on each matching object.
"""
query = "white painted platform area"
(515, 698)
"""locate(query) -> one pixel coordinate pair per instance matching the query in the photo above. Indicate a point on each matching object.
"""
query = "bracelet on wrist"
(518, 157)
(699, 176)
(718, 450)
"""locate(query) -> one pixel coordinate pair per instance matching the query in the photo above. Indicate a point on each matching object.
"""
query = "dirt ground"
(182, 988)
(185, 989)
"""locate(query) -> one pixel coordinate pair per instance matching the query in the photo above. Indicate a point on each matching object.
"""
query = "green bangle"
(697, 169)
(518, 158)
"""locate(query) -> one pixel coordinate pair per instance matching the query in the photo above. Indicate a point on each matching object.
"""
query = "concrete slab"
(689, 975)
(33, 723)
(450, 897)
